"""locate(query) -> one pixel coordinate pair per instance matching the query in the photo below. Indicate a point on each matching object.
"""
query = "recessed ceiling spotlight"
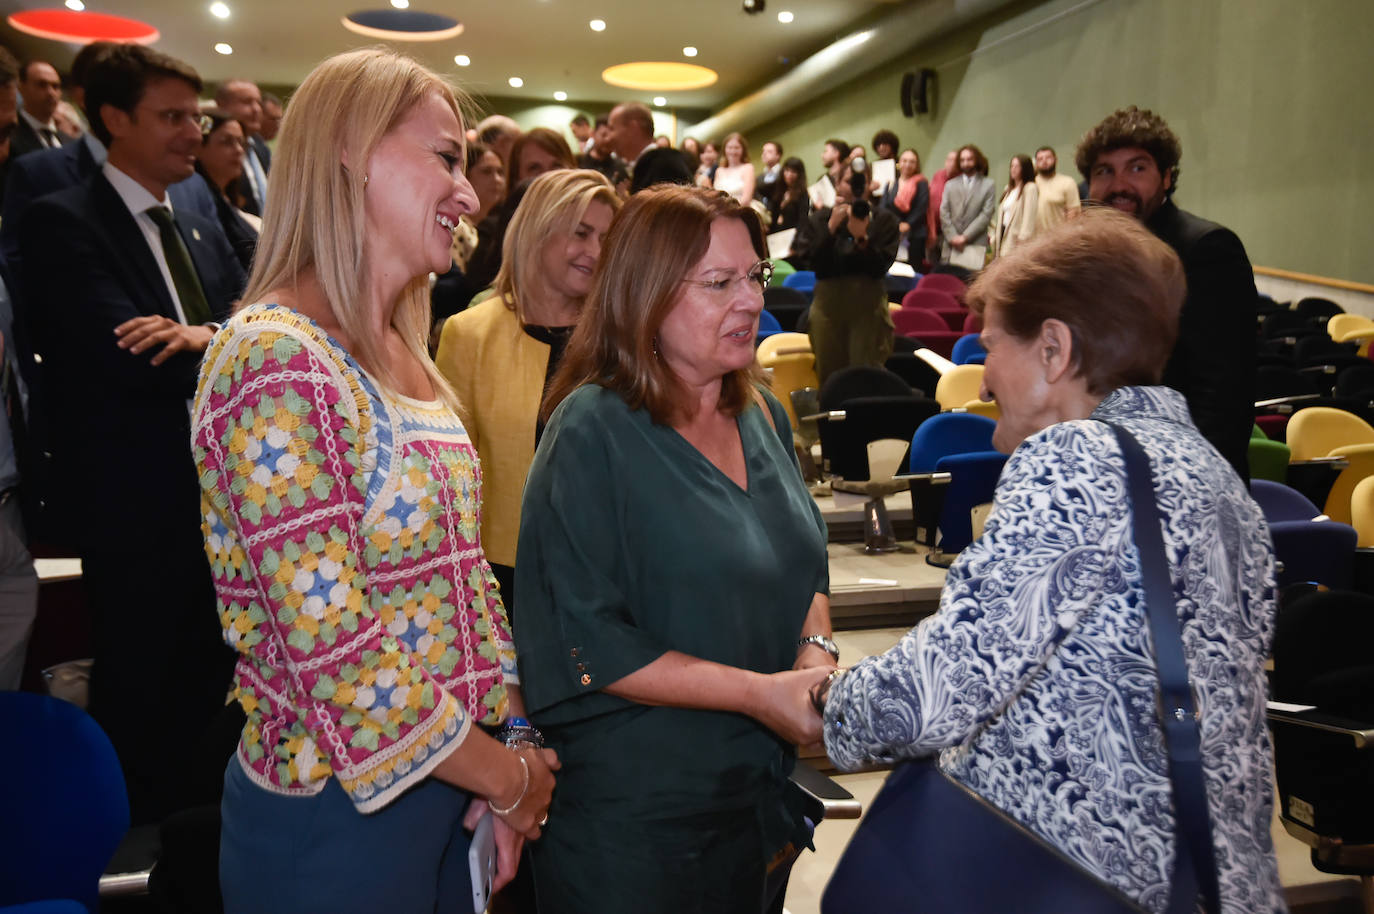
(219, 10)
(660, 101)
(598, 25)
(785, 17)
(75, 6)
(462, 60)
(224, 49)
(401, 4)
(515, 82)
(689, 51)
(560, 96)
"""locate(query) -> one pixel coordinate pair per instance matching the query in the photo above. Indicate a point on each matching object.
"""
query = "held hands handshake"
(785, 704)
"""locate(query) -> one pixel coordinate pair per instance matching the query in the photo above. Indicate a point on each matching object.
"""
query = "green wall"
(1270, 98)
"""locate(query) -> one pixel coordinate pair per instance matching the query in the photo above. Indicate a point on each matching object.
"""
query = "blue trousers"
(299, 855)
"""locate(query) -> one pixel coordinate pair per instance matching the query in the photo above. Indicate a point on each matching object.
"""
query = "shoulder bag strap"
(1193, 828)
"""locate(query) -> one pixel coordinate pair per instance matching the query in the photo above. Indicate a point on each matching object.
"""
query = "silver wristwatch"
(824, 643)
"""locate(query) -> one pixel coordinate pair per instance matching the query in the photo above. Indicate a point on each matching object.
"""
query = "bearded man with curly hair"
(1131, 162)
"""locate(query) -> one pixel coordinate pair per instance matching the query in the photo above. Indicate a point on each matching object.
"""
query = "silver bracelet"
(525, 769)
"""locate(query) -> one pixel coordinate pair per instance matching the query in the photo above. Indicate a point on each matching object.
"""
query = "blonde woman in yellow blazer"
(1014, 223)
(498, 354)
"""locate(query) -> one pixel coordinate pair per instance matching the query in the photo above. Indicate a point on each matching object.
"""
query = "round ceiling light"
(402, 25)
(659, 75)
(83, 27)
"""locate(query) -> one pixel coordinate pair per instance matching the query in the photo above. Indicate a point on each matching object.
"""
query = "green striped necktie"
(193, 303)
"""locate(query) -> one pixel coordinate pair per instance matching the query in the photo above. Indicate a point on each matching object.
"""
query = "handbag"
(928, 843)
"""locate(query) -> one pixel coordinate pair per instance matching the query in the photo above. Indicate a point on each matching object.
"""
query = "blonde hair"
(314, 217)
(554, 204)
(743, 148)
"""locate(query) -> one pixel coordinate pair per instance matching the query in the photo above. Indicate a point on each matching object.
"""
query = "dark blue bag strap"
(1195, 869)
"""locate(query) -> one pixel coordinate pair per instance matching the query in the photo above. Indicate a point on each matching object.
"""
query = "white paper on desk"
(846, 500)
(884, 582)
(780, 243)
(1290, 708)
(884, 171)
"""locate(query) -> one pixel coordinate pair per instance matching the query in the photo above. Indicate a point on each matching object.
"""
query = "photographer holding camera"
(852, 246)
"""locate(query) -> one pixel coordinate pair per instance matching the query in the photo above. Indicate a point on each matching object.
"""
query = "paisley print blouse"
(1036, 681)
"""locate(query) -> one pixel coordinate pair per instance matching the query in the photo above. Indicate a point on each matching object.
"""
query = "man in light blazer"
(122, 291)
(966, 209)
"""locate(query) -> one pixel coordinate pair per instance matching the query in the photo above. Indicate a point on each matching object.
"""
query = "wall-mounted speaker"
(916, 90)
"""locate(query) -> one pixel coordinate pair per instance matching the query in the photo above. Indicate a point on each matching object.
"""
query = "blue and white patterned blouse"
(1036, 676)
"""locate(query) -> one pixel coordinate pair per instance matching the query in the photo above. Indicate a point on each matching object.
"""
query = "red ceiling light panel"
(83, 27)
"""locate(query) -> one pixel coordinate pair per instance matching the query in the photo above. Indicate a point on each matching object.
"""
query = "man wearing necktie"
(41, 89)
(121, 289)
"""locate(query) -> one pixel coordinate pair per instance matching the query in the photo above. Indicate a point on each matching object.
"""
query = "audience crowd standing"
(130, 226)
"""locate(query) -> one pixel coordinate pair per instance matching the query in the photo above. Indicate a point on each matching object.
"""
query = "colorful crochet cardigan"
(341, 523)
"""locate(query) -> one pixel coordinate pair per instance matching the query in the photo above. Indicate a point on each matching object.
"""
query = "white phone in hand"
(482, 862)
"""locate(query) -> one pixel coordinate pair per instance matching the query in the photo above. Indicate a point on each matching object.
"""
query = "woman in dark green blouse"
(675, 571)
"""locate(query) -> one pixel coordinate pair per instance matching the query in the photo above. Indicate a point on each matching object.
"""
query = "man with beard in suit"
(966, 208)
(1131, 163)
(122, 291)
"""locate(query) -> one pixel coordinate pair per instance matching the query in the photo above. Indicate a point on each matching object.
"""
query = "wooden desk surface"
(893, 589)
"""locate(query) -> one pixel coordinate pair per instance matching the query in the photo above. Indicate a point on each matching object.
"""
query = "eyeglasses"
(175, 118)
(758, 277)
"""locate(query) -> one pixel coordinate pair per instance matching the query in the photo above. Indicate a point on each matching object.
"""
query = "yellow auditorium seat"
(1338, 502)
(981, 408)
(959, 385)
(1318, 430)
(1362, 511)
(1341, 324)
(795, 371)
(779, 343)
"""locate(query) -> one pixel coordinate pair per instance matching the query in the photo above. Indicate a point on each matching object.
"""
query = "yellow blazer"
(498, 371)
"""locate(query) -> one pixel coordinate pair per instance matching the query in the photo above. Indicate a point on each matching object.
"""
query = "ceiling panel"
(547, 43)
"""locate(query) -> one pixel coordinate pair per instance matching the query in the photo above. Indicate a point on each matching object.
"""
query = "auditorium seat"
(955, 469)
(844, 439)
(793, 371)
(803, 281)
(1316, 431)
(64, 799)
(1356, 381)
(1318, 310)
(944, 282)
(931, 300)
(1324, 757)
(959, 385)
(1268, 460)
(968, 350)
(915, 370)
(1362, 512)
(783, 344)
(781, 270)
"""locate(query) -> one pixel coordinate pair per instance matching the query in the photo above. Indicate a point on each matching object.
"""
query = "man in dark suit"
(1130, 161)
(632, 138)
(122, 291)
(41, 89)
(243, 101)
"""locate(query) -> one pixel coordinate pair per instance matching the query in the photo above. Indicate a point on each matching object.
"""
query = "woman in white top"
(1016, 213)
(736, 176)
